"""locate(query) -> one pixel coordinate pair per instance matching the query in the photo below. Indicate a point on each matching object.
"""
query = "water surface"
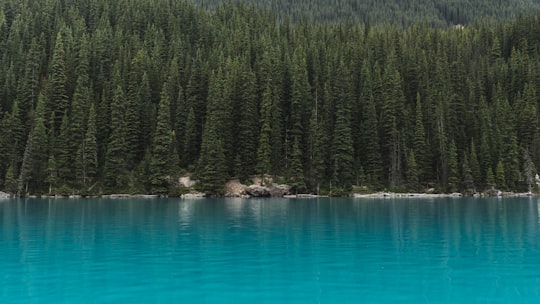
(270, 251)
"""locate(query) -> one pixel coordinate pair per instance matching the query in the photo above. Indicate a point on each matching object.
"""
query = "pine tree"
(264, 151)
(77, 125)
(62, 153)
(161, 146)
(475, 166)
(467, 176)
(5, 143)
(116, 148)
(419, 140)
(190, 140)
(370, 139)
(11, 184)
(29, 86)
(35, 155)
(317, 139)
(413, 181)
(490, 179)
(529, 170)
(196, 94)
(133, 133)
(87, 162)
(484, 156)
(343, 149)
(296, 175)
(148, 112)
(527, 116)
(16, 138)
(58, 99)
(453, 171)
(500, 176)
(248, 125)
(212, 165)
(393, 100)
(52, 173)
(300, 102)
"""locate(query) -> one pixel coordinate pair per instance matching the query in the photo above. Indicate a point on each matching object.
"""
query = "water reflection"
(185, 212)
(318, 249)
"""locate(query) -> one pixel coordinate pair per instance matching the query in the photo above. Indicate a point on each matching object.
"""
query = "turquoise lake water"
(270, 251)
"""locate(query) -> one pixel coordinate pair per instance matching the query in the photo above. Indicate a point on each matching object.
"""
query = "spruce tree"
(413, 181)
(5, 143)
(28, 90)
(161, 146)
(133, 133)
(58, 99)
(467, 176)
(116, 148)
(11, 183)
(500, 176)
(317, 139)
(190, 152)
(212, 167)
(148, 112)
(87, 162)
(393, 101)
(248, 125)
(296, 175)
(342, 149)
(35, 156)
(370, 138)
(529, 171)
(77, 125)
(64, 157)
(52, 173)
(264, 151)
(419, 141)
(475, 166)
(453, 168)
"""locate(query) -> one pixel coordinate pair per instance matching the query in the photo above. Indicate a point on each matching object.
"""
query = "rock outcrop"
(279, 190)
(186, 181)
(234, 188)
(274, 190)
(4, 195)
(257, 191)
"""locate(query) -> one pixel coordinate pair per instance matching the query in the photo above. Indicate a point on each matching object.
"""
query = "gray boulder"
(257, 191)
(279, 190)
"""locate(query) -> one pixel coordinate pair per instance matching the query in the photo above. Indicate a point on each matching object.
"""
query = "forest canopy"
(111, 96)
(438, 13)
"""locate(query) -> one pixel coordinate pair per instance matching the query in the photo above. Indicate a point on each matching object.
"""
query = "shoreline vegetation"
(129, 96)
(376, 195)
(235, 189)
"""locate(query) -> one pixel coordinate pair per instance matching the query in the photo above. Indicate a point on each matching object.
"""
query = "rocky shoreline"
(4, 195)
(268, 188)
(439, 195)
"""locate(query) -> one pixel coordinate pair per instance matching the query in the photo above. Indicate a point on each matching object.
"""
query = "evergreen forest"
(403, 13)
(102, 96)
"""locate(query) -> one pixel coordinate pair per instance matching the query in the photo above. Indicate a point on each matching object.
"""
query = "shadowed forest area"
(125, 96)
(396, 12)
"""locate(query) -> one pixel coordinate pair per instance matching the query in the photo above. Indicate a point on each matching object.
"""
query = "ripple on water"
(270, 251)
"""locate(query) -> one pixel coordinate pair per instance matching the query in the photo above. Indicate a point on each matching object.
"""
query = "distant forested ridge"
(438, 13)
(112, 96)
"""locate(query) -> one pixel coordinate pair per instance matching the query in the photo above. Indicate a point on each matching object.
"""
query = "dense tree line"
(100, 96)
(438, 13)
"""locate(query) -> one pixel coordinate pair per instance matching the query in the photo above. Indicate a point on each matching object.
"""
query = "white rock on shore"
(4, 195)
(405, 195)
(193, 195)
(436, 195)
